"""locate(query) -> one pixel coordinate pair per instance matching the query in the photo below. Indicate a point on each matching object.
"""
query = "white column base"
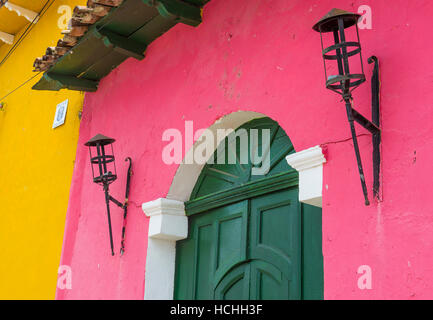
(160, 267)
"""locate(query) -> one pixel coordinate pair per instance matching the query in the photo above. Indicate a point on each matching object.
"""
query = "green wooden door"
(249, 237)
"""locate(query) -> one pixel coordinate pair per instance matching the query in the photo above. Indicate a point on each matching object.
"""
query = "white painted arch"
(168, 222)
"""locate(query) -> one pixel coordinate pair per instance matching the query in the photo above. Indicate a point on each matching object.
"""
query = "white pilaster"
(168, 224)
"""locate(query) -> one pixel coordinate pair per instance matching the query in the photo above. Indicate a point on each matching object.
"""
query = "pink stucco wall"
(263, 56)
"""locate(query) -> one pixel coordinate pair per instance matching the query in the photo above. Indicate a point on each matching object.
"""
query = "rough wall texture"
(36, 164)
(263, 56)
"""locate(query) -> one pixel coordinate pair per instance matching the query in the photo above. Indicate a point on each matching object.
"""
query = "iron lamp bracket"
(372, 126)
(123, 206)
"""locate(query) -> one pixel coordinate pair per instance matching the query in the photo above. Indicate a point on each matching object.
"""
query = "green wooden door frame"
(249, 190)
(280, 180)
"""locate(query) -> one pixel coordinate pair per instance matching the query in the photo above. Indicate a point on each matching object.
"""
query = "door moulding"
(309, 164)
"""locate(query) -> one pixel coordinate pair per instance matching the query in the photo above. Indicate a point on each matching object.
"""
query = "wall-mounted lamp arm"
(364, 122)
(125, 208)
(107, 202)
(116, 202)
(351, 118)
(372, 127)
(123, 205)
(377, 136)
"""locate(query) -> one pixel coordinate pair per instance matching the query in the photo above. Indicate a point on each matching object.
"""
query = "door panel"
(247, 250)
(268, 282)
(203, 265)
(312, 257)
(217, 243)
(235, 284)
(275, 236)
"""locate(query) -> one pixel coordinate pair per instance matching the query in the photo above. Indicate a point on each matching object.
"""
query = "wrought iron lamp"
(339, 57)
(104, 173)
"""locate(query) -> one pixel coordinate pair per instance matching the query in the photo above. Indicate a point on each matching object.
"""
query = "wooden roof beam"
(58, 82)
(110, 3)
(20, 11)
(181, 11)
(123, 45)
(7, 38)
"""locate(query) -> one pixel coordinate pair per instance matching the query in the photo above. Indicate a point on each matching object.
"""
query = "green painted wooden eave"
(125, 32)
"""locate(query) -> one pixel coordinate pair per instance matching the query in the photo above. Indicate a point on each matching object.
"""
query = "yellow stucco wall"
(36, 164)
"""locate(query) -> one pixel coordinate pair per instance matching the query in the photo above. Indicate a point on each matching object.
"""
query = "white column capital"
(309, 164)
(163, 206)
(306, 159)
(167, 219)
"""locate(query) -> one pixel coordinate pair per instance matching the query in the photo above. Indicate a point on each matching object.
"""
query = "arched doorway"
(249, 236)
